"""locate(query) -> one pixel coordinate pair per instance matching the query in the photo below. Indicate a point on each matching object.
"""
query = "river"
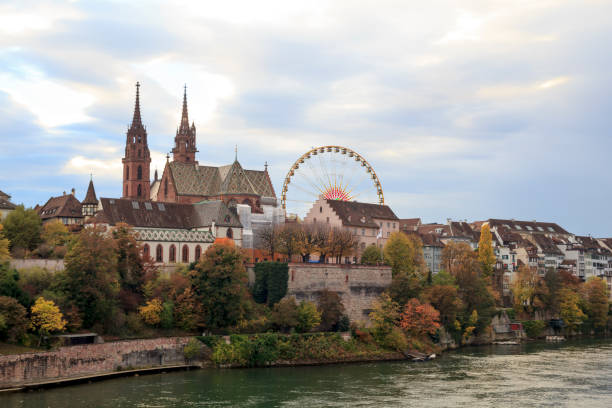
(571, 374)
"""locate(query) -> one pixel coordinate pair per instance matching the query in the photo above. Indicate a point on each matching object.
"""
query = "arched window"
(198, 253)
(127, 173)
(139, 172)
(145, 250)
(159, 253)
(139, 190)
(172, 253)
(185, 254)
(229, 233)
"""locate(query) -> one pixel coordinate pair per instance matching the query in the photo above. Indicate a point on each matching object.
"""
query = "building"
(90, 203)
(65, 208)
(6, 206)
(172, 232)
(410, 224)
(372, 224)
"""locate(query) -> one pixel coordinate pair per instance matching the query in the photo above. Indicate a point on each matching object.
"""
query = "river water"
(571, 374)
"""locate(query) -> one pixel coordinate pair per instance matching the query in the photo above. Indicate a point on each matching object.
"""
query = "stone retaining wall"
(90, 359)
(53, 265)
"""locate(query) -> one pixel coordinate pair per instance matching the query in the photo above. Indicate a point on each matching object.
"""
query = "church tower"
(137, 157)
(185, 140)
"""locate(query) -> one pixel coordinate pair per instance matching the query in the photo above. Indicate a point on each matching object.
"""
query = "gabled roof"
(460, 229)
(154, 214)
(356, 214)
(63, 206)
(546, 245)
(5, 203)
(409, 223)
(192, 179)
(591, 244)
(4, 195)
(529, 226)
(440, 229)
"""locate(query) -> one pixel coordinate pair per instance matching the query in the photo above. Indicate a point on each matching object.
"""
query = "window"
(551, 229)
(320, 209)
(363, 231)
(540, 229)
(518, 227)
(393, 225)
(148, 206)
(159, 253)
(139, 153)
(139, 176)
(504, 256)
(388, 225)
(198, 253)
(229, 233)
(139, 190)
(127, 173)
(172, 253)
(388, 233)
(185, 254)
(135, 204)
(328, 220)
(161, 207)
(529, 228)
(145, 250)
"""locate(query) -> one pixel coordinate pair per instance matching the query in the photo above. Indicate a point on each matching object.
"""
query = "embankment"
(90, 360)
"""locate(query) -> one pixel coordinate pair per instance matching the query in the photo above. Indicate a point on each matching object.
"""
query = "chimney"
(72, 191)
(64, 193)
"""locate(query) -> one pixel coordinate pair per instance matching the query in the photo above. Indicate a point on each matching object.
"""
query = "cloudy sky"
(466, 109)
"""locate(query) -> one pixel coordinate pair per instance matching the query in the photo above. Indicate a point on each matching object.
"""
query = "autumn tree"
(404, 253)
(571, 313)
(419, 319)
(385, 315)
(486, 256)
(372, 255)
(55, 233)
(188, 313)
(445, 299)
(550, 297)
(4, 246)
(15, 321)
(220, 281)
(331, 308)
(285, 314)
(268, 240)
(525, 291)
(342, 242)
(289, 240)
(92, 278)
(46, 318)
(130, 267)
(596, 293)
(322, 239)
(151, 312)
(308, 241)
(452, 255)
(22, 227)
(308, 317)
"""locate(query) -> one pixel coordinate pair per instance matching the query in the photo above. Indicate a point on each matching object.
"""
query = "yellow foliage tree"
(486, 255)
(46, 317)
(404, 254)
(4, 247)
(55, 233)
(151, 312)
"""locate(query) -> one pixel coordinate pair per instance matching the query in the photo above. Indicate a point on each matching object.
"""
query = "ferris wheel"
(331, 172)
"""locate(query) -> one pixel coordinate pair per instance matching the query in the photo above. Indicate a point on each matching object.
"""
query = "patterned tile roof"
(191, 179)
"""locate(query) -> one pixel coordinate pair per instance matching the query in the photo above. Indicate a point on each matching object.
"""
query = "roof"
(591, 244)
(546, 245)
(409, 223)
(63, 206)
(4, 195)
(461, 229)
(5, 204)
(440, 229)
(529, 226)
(153, 214)
(193, 179)
(356, 214)
(90, 197)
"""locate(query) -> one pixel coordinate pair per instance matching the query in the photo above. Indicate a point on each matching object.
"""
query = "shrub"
(285, 314)
(308, 317)
(395, 340)
(167, 315)
(15, 320)
(271, 279)
(151, 312)
(534, 328)
(192, 348)
(344, 324)
(331, 308)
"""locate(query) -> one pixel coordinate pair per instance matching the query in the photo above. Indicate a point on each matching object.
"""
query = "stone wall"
(53, 265)
(90, 359)
(358, 285)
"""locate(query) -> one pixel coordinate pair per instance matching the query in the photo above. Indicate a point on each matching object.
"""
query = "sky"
(466, 110)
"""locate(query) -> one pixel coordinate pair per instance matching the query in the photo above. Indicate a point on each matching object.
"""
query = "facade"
(90, 202)
(6, 206)
(172, 232)
(65, 208)
(372, 224)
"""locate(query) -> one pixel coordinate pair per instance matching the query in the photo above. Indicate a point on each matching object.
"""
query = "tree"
(486, 256)
(271, 280)
(322, 239)
(188, 311)
(55, 233)
(289, 240)
(285, 314)
(525, 290)
(130, 266)
(22, 228)
(571, 313)
(308, 242)
(151, 312)
(220, 280)
(550, 298)
(4, 246)
(46, 318)
(404, 254)
(405, 286)
(419, 319)
(371, 256)
(445, 299)
(385, 315)
(308, 317)
(269, 240)
(331, 309)
(452, 255)
(14, 317)
(443, 278)
(92, 278)
(596, 294)
(9, 284)
(342, 242)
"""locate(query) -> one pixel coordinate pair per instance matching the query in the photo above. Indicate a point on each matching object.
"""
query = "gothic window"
(172, 253)
(139, 190)
(229, 233)
(198, 253)
(159, 253)
(139, 153)
(139, 172)
(145, 250)
(185, 254)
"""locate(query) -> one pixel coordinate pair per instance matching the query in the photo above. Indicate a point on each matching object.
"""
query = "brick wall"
(90, 359)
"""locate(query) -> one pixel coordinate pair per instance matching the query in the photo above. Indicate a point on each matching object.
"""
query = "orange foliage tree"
(419, 318)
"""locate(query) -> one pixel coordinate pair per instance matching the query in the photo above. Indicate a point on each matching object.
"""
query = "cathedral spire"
(136, 120)
(184, 116)
(185, 141)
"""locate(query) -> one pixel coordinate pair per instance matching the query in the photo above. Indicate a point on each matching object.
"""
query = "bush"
(167, 315)
(534, 328)
(271, 279)
(15, 323)
(285, 314)
(395, 340)
(211, 341)
(134, 324)
(344, 324)
(331, 308)
(308, 317)
(192, 348)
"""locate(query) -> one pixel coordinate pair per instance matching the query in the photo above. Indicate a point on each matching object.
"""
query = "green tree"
(271, 280)
(4, 246)
(130, 267)
(385, 316)
(443, 278)
(308, 317)
(372, 255)
(22, 227)
(15, 321)
(404, 254)
(596, 294)
(571, 313)
(220, 280)
(486, 256)
(92, 279)
(9, 284)
(285, 314)
(55, 233)
(550, 297)
(331, 309)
